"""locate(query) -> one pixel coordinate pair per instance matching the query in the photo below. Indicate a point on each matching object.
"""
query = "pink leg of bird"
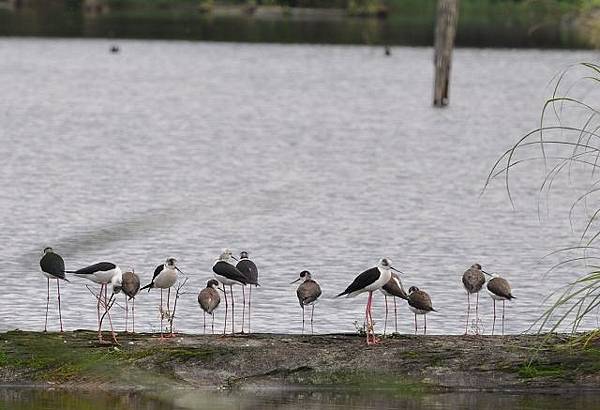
(249, 306)
(226, 309)
(59, 311)
(243, 307)
(386, 315)
(161, 314)
(98, 306)
(232, 311)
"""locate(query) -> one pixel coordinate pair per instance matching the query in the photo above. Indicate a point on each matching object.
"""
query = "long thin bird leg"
(213, 322)
(232, 311)
(494, 322)
(243, 306)
(112, 330)
(468, 311)
(374, 338)
(47, 305)
(133, 315)
(126, 313)
(312, 315)
(302, 319)
(226, 308)
(395, 316)
(415, 323)
(169, 318)
(477, 314)
(370, 329)
(99, 321)
(59, 311)
(425, 324)
(249, 306)
(386, 315)
(502, 318)
(161, 314)
(367, 318)
(204, 322)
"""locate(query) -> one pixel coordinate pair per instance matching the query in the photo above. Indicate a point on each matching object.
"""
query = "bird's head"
(386, 264)
(244, 255)
(47, 249)
(304, 275)
(171, 262)
(476, 266)
(227, 255)
(213, 283)
(117, 283)
(413, 289)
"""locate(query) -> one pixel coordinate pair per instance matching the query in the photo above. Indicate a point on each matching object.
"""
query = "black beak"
(489, 274)
(179, 270)
(234, 258)
(392, 268)
(291, 283)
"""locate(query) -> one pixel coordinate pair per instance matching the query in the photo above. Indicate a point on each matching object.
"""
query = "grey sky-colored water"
(323, 158)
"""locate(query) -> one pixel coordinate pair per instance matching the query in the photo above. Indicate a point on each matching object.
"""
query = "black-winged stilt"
(164, 277)
(308, 292)
(226, 273)
(394, 289)
(369, 281)
(473, 280)
(249, 269)
(130, 286)
(53, 267)
(209, 300)
(499, 289)
(101, 273)
(420, 303)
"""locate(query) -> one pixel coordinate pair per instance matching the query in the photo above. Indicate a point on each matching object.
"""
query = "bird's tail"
(148, 286)
(342, 294)
(66, 280)
(70, 271)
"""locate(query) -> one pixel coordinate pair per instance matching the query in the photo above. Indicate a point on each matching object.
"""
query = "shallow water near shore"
(323, 158)
(321, 399)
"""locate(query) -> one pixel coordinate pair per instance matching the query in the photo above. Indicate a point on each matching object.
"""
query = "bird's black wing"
(249, 269)
(230, 272)
(158, 270)
(53, 264)
(96, 267)
(361, 281)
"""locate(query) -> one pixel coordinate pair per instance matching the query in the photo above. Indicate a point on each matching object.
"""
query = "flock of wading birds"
(230, 271)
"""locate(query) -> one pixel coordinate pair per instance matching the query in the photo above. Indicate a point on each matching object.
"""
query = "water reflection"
(40, 399)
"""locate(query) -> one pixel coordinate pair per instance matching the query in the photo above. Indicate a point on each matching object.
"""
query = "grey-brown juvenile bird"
(394, 289)
(130, 286)
(308, 292)
(499, 289)
(420, 303)
(209, 300)
(473, 280)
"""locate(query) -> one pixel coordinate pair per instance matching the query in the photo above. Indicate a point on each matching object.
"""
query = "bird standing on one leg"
(394, 289)
(101, 273)
(165, 276)
(420, 303)
(473, 280)
(499, 289)
(226, 273)
(130, 286)
(369, 281)
(248, 268)
(209, 300)
(53, 267)
(308, 292)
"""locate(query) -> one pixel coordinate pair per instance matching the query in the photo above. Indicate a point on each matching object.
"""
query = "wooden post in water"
(445, 31)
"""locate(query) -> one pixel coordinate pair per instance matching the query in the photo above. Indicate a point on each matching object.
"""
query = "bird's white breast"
(384, 277)
(166, 278)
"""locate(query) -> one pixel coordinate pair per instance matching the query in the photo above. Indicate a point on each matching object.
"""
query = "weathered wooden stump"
(445, 32)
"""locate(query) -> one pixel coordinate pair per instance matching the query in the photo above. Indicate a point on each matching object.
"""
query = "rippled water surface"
(311, 157)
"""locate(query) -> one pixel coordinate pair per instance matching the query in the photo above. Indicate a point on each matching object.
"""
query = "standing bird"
(369, 281)
(499, 289)
(209, 300)
(53, 267)
(226, 273)
(420, 303)
(394, 289)
(130, 286)
(308, 292)
(249, 269)
(165, 276)
(101, 273)
(473, 280)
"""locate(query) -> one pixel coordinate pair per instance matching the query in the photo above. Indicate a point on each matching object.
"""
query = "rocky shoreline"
(401, 363)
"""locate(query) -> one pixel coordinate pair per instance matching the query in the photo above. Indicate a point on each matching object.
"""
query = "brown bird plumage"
(420, 303)
(308, 292)
(473, 280)
(209, 300)
(394, 289)
(130, 286)
(499, 289)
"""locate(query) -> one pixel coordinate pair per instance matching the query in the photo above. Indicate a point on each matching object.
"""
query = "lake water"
(38, 399)
(323, 158)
